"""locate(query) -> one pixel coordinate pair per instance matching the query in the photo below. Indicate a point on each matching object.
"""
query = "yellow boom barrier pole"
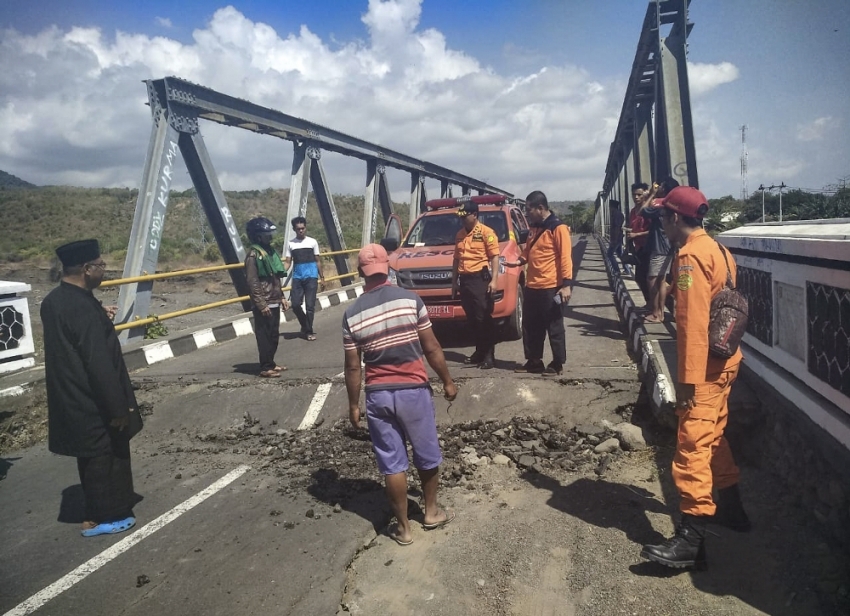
(180, 313)
(164, 275)
(201, 270)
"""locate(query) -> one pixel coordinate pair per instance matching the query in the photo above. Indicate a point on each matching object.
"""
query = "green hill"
(39, 219)
(7, 180)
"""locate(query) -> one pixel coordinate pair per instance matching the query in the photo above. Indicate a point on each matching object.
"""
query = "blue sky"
(522, 94)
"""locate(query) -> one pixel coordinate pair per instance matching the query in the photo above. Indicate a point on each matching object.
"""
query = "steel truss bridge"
(177, 106)
(654, 139)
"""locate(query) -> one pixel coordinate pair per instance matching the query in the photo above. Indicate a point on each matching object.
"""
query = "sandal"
(450, 515)
(280, 368)
(311, 337)
(270, 374)
(109, 528)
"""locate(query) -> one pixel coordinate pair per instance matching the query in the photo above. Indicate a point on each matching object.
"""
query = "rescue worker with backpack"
(708, 362)
(265, 272)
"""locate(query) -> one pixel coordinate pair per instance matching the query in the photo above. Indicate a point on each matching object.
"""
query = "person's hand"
(266, 312)
(354, 416)
(685, 393)
(322, 284)
(111, 311)
(566, 293)
(492, 288)
(450, 391)
(120, 422)
(284, 304)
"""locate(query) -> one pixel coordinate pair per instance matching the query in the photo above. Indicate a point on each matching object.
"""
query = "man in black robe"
(92, 410)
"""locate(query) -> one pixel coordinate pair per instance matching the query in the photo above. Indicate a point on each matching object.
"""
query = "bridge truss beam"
(655, 136)
(178, 105)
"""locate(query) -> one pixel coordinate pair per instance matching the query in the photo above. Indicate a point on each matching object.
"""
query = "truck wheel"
(513, 328)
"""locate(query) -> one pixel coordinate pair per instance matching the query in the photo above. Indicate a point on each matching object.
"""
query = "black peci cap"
(79, 252)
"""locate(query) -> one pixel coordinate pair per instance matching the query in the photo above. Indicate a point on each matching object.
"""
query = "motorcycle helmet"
(259, 225)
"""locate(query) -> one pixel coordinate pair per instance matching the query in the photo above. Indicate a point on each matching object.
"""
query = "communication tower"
(744, 192)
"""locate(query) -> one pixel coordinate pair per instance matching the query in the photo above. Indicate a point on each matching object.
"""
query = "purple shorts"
(396, 416)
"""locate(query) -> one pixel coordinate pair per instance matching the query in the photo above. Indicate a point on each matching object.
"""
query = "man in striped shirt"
(388, 327)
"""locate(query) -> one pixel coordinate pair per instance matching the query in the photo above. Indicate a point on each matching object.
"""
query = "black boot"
(730, 512)
(686, 548)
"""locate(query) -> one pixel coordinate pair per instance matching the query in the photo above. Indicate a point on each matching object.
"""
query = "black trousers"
(267, 333)
(541, 316)
(478, 307)
(304, 291)
(641, 272)
(108, 484)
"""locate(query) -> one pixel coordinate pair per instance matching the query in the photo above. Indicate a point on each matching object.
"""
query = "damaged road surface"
(556, 483)
(551, 514)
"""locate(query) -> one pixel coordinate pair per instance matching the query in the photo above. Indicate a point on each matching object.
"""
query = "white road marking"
(315, 407)
(17, 390)
(61, 585)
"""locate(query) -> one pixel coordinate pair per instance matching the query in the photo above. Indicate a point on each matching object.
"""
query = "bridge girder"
(654, 137)
(178, 105)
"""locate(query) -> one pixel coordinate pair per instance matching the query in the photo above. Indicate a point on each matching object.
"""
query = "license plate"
(440, 312)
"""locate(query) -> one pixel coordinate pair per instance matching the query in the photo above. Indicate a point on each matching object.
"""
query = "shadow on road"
(5, 465)
(364, 497)
(72, 507)
(604, 504)
(252, 368)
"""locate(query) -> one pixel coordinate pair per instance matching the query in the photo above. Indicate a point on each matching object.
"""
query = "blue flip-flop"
(110, 528)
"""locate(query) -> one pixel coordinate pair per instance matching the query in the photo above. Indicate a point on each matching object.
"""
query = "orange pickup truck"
(423, 260)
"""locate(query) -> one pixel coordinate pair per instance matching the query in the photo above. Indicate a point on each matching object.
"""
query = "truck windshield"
(441, 229)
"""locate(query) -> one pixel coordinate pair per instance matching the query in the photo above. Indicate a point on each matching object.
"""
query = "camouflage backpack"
(728, 317)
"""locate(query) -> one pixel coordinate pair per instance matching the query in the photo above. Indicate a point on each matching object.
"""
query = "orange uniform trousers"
(703, 459)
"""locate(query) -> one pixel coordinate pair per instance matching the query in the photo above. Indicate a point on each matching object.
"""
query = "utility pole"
(744, 157)
(761, 188)
(780, 187)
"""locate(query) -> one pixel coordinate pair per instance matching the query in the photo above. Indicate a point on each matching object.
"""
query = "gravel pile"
(336, 462)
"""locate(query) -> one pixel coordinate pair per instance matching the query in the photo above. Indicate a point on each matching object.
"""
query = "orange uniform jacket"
(549, 254)
(700, 273)
(475, 250)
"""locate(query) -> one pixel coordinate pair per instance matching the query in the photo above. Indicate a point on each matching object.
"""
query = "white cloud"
(817, 129)
(703, 78)
(165, 22)
(72, 106)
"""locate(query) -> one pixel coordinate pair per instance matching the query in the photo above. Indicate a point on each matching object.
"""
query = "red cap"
(373, 260)
(686, 200)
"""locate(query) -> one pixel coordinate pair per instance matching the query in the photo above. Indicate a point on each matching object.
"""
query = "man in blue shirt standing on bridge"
(304, 252)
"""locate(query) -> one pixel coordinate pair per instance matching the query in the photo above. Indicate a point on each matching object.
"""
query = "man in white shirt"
(303, 251)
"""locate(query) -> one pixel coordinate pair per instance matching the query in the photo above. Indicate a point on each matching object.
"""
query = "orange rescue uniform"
(703, 459)
(548, 253)
(475, 250)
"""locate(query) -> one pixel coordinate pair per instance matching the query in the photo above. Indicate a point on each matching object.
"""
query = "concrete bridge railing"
(797, 279)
